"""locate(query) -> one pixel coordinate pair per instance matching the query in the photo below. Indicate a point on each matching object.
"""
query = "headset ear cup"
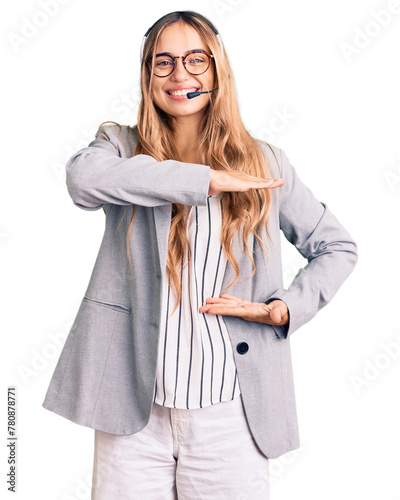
(220, 44)
(141, 48)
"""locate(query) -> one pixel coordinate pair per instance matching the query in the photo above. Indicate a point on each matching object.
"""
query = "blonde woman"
(179, 356)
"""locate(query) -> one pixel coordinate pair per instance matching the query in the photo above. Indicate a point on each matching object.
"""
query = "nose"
(179, 72)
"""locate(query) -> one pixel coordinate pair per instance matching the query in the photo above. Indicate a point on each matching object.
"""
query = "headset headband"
(204, 19)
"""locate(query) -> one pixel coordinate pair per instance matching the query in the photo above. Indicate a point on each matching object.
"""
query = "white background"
(333, 70)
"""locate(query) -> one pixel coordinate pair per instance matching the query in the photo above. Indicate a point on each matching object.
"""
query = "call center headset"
(189, 95)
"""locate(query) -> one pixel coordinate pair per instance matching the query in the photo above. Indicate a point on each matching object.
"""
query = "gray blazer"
(105, 375)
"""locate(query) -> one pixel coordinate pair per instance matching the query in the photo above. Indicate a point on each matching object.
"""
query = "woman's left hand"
(274, 313)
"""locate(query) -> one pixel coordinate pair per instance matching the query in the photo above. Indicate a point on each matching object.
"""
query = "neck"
(187, 133)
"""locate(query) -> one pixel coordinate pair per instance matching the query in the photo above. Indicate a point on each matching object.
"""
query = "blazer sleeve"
(97, 175)
(319, 237)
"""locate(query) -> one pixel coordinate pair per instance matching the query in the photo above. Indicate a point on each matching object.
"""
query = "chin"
(181, 109)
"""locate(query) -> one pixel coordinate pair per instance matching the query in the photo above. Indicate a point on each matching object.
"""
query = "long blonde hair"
(224, 144)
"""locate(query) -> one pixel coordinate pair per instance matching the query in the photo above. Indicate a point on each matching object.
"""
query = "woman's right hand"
(235, 180)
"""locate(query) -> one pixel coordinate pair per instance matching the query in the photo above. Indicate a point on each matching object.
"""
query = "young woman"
(190, 388)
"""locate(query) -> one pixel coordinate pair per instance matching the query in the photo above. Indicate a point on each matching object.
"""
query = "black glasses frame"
(210, 56)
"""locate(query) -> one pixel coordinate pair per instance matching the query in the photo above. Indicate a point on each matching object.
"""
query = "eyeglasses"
(195, 62)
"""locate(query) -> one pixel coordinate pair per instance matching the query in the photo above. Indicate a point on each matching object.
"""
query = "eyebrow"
(169, 53)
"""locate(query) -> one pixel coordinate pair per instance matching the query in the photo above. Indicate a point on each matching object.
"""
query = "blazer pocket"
(110, 305)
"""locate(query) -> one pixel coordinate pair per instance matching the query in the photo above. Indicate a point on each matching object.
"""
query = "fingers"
(226, 298)
(275, 315)
(261, 183)
(278, 312)
(220, 305)
(264, 180)
(216, 300)
(226, 304)
(274, 183)
(224, 310)
(236, 180)
(277, 183)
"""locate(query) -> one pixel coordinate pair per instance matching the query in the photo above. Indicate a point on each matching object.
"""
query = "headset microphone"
(190, 95)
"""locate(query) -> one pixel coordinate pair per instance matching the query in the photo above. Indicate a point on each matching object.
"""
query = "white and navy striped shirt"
(196, 367)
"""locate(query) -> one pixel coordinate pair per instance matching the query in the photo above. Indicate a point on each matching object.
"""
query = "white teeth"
(181, 92)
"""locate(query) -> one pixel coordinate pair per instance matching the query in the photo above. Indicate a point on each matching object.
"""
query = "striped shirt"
(196, 366)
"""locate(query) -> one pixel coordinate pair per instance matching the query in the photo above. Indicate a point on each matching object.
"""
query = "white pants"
(198, 454)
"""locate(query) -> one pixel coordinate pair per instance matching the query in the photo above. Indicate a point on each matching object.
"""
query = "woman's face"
(178, 39)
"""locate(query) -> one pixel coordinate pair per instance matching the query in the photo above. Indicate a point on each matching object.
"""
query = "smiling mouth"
(182, 92)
